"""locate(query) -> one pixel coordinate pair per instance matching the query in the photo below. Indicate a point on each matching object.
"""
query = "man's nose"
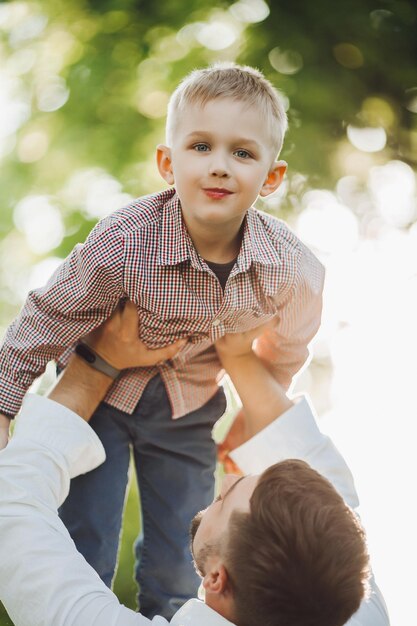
(228, 482)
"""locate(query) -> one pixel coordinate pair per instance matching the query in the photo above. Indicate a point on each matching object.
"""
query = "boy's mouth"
(217, 192)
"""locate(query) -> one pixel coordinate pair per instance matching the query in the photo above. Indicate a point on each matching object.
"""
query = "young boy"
(199, 262)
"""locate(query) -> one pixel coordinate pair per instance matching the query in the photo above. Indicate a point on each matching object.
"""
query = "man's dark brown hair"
(299, 557)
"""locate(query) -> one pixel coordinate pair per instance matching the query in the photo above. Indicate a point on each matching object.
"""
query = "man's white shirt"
(45, 581)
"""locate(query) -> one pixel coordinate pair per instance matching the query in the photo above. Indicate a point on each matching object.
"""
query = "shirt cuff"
(290, 436)
(11, 396)
(56, 427)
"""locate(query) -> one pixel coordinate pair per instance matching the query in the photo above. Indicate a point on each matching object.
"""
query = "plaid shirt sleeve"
(284, 349)
(79, 296)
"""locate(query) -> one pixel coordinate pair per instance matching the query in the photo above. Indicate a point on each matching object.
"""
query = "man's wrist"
(5, 421)
(80, 388)
(230, 361)
(95, 361)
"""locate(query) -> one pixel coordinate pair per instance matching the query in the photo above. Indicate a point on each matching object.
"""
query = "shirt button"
(216, 322)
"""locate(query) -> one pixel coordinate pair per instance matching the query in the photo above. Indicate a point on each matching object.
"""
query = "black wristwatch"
(95, 361)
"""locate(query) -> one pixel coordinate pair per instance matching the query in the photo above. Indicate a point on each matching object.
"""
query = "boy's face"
(220, 160)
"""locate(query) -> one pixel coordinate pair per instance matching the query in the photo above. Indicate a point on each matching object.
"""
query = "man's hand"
(232, 348)
(262, 397)
(117, 341)
(234, 345)
(80, 387)
(236, 436)
(4, 431)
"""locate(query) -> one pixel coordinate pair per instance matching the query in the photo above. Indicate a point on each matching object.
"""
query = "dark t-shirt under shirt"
(222, 271)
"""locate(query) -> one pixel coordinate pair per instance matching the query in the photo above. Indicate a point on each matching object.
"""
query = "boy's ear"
(163, 160)
(274, 178)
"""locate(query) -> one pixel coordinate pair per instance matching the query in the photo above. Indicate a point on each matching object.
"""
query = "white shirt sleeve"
(296, 435)
(44, 580)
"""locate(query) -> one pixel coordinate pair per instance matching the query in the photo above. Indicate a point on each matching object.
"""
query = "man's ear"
(216, 581)
(163, 160)
(274, 178)
(218, 591)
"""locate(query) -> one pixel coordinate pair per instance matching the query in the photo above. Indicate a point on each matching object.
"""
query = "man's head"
(225, 127)
(281, 549)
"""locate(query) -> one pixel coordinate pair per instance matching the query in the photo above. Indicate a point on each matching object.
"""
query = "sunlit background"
(83, 93)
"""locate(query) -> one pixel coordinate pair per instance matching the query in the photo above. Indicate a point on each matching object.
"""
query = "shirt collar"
(257, 245)
(196, 613)
(260, 248)
(175, 245)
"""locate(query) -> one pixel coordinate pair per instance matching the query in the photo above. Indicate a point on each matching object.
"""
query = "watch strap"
(95, 361)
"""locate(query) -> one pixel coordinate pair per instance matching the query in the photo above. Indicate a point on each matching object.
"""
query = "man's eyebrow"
(229, 491)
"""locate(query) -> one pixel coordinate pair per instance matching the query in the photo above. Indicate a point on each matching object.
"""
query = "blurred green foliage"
(84, 86)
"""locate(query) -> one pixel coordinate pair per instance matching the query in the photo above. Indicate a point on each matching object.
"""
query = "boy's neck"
(215, 247)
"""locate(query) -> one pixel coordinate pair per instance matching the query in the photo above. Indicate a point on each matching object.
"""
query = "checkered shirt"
(143, 252)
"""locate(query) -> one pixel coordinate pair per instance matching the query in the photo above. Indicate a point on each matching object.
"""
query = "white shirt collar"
(196, 613)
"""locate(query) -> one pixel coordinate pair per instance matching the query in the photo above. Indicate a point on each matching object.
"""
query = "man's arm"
(277, 429)
(283, 346)
(4, 430)
(51, 444)
(262, 397)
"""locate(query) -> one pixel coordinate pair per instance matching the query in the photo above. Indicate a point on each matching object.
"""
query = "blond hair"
(228, 80)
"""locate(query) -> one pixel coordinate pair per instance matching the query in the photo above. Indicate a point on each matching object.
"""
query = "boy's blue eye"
(242, 154)
(201, 147)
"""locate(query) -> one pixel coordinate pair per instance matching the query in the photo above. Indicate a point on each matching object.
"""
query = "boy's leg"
(175, 462)
(94, 507)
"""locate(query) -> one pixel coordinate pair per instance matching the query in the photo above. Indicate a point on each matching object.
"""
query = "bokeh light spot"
(285, 61)
(411, 103)
(153, 104)
(379, 18)
(114, 21)
(250, 11)
(95, 191)
(348, 55)
(52, 95)
(28, 28)
(393, 187)
(326, 224)
(367, 139)
(32, 146)
(217, 35)
(377, 112)
(40, 221)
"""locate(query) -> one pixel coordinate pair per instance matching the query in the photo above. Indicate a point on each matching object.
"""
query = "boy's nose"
(219, 167)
